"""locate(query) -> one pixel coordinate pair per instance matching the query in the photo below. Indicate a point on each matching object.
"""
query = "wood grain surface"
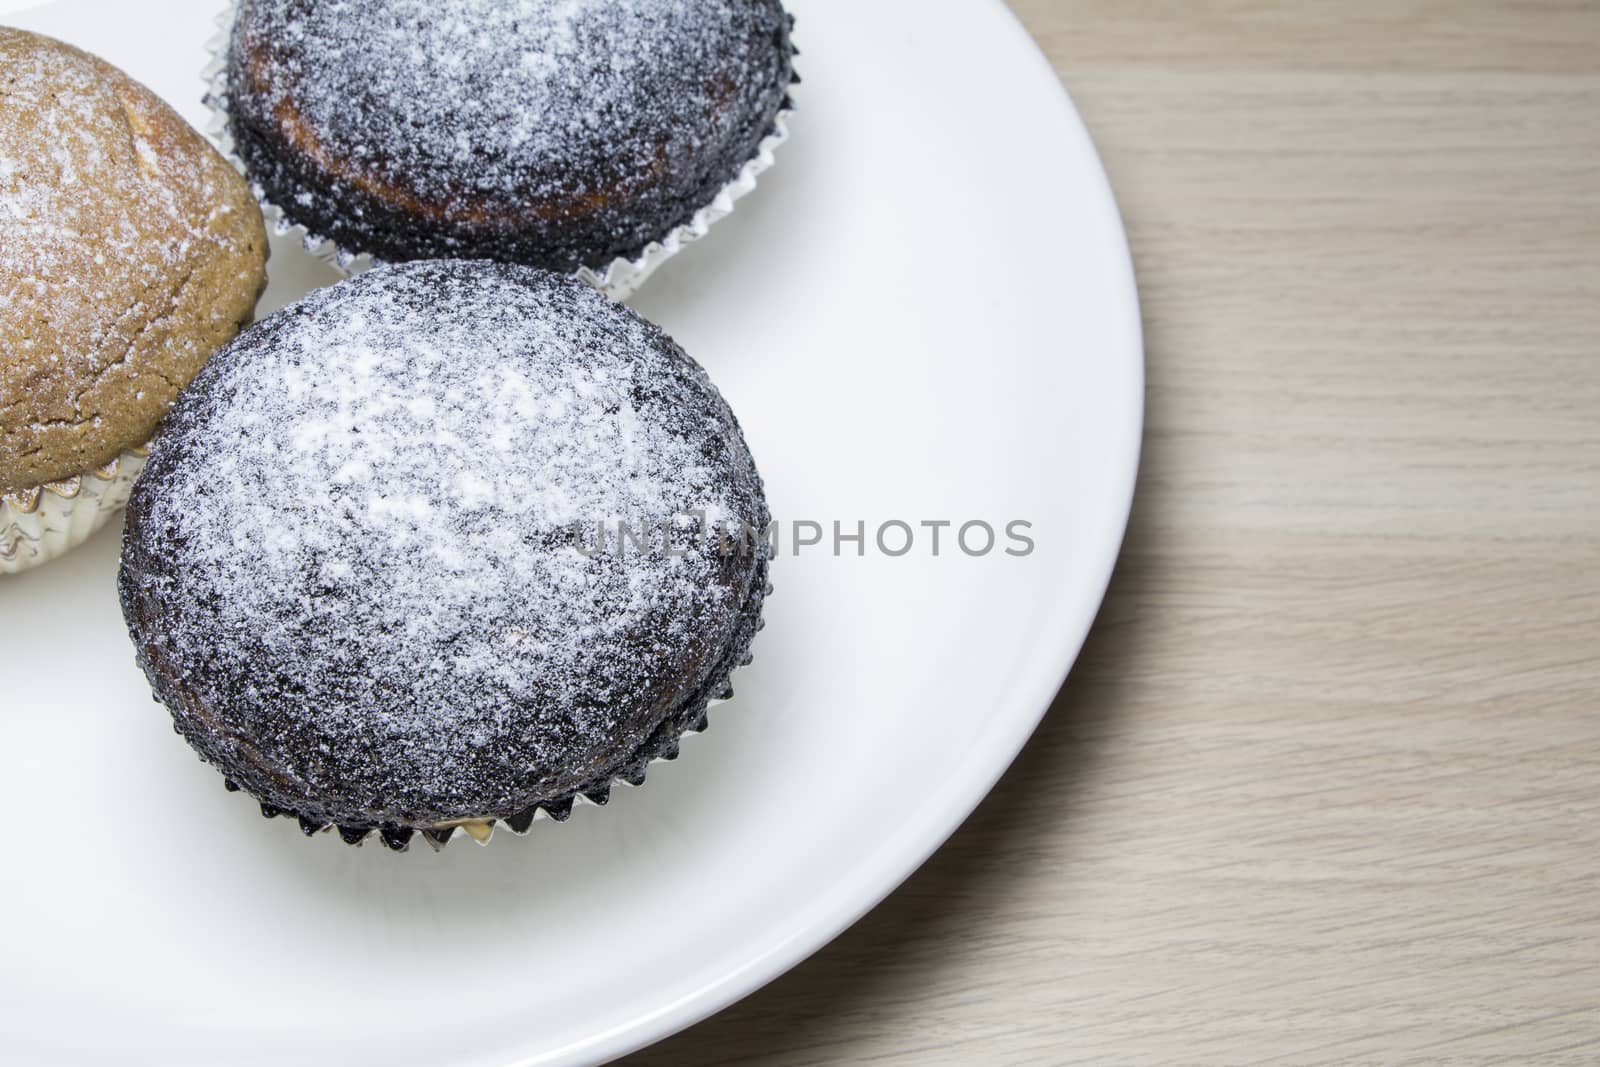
(1325, 785)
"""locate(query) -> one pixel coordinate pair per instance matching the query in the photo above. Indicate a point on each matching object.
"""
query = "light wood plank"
(1325, 787)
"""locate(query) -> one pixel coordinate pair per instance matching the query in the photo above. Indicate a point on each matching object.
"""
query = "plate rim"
(827, 919)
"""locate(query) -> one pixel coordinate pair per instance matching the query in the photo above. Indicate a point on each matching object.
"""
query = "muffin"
(564, 134)
(448, 543)
(129, 251)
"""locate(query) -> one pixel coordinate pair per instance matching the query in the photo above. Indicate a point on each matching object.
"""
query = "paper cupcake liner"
(40, 524)
(620, 279)
(661, 748)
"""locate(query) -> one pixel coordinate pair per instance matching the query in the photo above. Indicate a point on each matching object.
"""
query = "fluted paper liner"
(43, 523)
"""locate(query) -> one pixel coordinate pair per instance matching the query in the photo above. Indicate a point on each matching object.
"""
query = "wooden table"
(1325, 785)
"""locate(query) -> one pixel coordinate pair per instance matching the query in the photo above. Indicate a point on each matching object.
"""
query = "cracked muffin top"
(129, 252)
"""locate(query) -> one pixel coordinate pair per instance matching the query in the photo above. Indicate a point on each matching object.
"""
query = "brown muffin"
(129, 252)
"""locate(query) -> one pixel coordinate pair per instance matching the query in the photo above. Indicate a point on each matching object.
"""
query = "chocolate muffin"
(557, 133)
(447, 543)
(129, 251)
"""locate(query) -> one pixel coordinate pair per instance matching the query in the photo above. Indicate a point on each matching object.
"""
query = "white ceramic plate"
(926, 312)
